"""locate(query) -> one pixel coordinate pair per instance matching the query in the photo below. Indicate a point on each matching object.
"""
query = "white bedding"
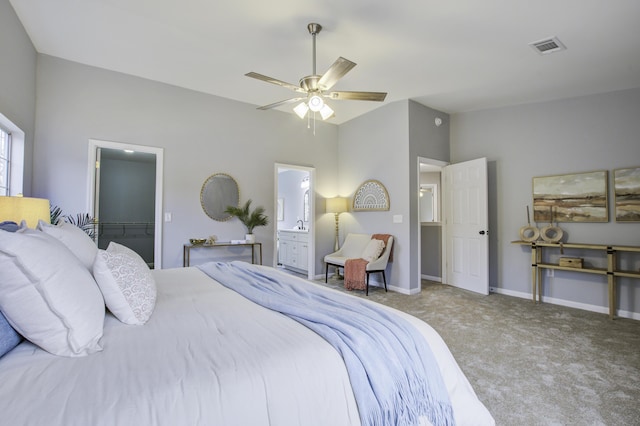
(206, 356)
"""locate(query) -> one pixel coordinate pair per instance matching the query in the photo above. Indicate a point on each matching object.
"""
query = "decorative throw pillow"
(75, 239)
(48, 295)
(9, 339)
(373, 250)
(126, 282)
(9, 226)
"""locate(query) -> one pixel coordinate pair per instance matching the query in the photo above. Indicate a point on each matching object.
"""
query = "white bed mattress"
(207, 356)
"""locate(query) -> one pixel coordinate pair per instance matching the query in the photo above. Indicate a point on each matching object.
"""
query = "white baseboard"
(431, 278)
(408, 292)
(567, 303)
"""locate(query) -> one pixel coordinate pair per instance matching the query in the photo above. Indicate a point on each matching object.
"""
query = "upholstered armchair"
(353, 248)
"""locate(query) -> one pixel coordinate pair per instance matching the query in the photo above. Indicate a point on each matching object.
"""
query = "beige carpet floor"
(533, 364)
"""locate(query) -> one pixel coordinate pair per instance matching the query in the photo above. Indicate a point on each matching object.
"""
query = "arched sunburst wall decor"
(371, 196)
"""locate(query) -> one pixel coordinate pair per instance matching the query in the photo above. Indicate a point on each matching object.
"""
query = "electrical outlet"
(550, 272)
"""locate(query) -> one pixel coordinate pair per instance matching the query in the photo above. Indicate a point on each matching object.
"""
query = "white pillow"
(373, 250)
(48, 296)
(126, 282)
(75, 239)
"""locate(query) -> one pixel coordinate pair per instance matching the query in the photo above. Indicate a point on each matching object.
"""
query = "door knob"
(482, 232)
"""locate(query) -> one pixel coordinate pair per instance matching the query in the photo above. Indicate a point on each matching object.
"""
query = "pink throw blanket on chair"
(355, 274)
(355, 270)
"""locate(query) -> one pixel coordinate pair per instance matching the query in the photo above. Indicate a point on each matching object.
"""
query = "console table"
(186, 250)
(611, 271)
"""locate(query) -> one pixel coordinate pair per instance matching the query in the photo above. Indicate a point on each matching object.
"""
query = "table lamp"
(17, 209)
(336, 206)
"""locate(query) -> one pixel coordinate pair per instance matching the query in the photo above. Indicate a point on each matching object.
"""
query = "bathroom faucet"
(301, 226)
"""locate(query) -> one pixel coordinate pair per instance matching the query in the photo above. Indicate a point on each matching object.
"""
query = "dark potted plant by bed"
(249, 218)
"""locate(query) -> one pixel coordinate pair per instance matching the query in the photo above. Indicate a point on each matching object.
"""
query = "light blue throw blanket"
(393, 373)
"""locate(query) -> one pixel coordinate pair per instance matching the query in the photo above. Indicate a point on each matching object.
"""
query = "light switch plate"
(167, 217)
(397, 218)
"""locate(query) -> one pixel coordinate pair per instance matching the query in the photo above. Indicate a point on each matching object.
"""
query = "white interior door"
(467, 239)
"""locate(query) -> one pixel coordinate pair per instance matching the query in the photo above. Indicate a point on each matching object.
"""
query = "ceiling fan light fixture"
(315, 103)
(314, 87)
(301, 109)
(326, 112)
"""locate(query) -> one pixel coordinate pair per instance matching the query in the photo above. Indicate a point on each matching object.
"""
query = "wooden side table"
(186, 250)
(607, 252)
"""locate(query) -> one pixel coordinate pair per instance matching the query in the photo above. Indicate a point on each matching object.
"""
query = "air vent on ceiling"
(548, 45)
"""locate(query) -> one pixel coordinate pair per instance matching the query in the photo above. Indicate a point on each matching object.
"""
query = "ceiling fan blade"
(335, 72)
(275, 81)
(277, 104)
(357, 96)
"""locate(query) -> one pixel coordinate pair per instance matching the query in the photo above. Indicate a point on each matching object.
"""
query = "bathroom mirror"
(218, 192)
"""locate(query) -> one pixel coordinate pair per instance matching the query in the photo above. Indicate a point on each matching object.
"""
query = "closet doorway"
(125, 195)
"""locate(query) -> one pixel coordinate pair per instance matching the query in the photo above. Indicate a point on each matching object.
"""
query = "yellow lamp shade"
(17, 209)
(337, 205)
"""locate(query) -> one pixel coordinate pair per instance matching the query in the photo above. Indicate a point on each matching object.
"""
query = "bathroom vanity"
(293, 250)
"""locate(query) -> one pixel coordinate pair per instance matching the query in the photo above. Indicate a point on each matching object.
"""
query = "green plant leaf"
(55, 213)
(249, 218)
(84, 222)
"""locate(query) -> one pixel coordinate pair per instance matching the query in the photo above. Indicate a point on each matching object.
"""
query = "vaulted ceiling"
(453, 56)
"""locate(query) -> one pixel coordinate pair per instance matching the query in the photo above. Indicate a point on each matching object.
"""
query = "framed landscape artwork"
(577, 197)
(626, 183)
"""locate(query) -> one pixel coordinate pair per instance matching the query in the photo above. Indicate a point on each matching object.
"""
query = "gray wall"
(597, 132)
(18, 61)
(127, 190)
(375, 146)
(385, 145)
(431, 251)
(200, 135)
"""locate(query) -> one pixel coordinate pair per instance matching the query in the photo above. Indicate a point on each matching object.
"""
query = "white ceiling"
(454, 56)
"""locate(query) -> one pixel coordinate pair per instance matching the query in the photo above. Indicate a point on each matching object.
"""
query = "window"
(5, 161)
(11, 157)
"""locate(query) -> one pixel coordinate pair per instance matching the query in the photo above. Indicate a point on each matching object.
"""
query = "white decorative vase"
(250, 238)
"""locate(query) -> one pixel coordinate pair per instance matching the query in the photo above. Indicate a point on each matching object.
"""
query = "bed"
(205, 356)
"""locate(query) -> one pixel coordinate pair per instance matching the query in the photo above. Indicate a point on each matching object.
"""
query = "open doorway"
(458, 242)
(125, 196)
(295, 218)
(430, 214)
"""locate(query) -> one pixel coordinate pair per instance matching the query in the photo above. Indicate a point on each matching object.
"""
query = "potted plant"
(249, 218)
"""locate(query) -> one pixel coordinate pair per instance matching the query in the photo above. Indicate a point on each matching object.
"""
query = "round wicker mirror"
(218, 192)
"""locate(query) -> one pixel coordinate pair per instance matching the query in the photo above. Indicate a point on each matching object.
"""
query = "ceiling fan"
(313, 88)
